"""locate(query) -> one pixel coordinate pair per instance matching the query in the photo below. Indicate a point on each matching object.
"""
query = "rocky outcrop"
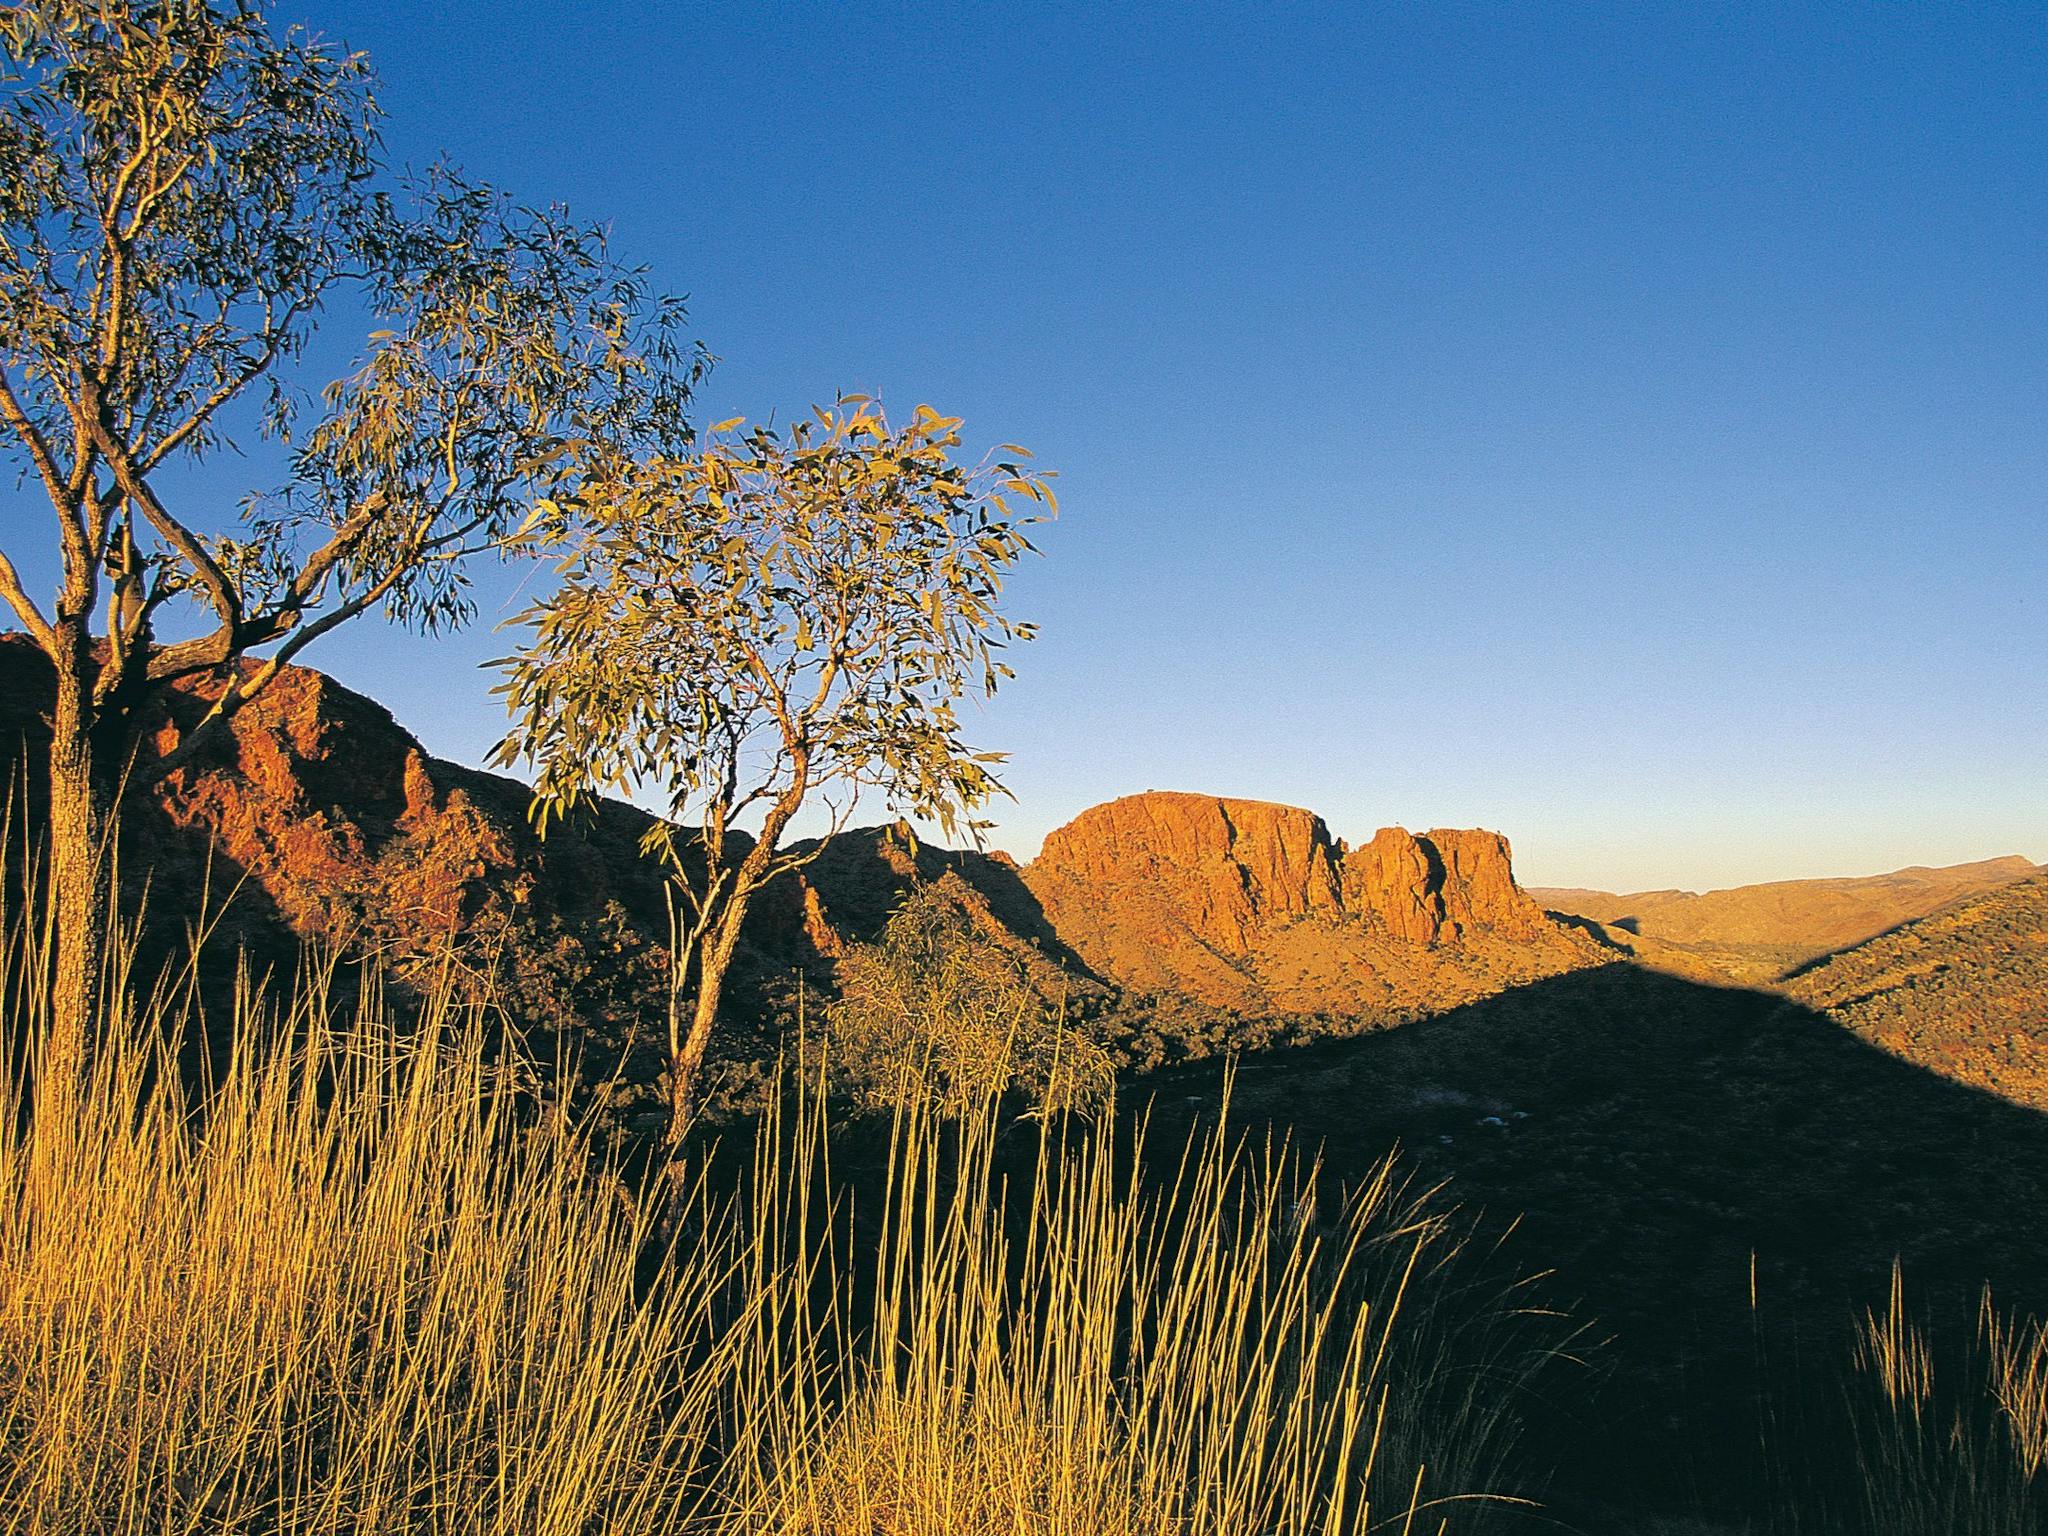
(1229, 868)
(316, 817)
(1254, 908)
(1479, 885)
(1396, 881)
(1225, 866)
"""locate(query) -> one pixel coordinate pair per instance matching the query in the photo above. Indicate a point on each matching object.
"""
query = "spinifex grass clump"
(348, 1292)
(1936, 1426)
(1093, 1349)
(358, 1282)
(1948, 1439)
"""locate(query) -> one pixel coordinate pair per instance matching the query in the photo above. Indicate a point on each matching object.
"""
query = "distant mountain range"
(1756, 933)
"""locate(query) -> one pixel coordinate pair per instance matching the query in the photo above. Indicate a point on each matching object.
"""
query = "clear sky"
(1624, 426)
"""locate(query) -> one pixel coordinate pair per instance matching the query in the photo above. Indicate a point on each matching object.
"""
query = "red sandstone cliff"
(1225, 867)
(1253, 907)
(317, 816)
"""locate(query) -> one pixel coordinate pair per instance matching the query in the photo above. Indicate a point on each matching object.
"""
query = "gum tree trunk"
(714, 955)
(80, 901)
(686, 1060)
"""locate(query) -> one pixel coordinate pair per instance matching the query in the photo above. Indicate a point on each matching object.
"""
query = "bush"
(939, 1014)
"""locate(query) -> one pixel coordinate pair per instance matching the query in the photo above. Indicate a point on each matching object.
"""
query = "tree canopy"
(775, 618)
(187, 194)
(779, 607)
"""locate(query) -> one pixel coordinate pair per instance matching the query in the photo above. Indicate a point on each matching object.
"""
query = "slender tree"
(773, 621)
(185, 191)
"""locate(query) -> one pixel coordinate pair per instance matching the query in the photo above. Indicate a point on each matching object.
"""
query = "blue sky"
(1624, 426)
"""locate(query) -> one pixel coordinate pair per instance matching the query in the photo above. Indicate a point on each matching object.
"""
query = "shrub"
(939, 1013)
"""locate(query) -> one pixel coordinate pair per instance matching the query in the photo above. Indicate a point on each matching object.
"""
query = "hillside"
(317, 818)
(1183, 924)
(1756, 933)
(1962, 992)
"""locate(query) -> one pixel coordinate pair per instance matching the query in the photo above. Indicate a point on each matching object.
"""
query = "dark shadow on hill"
(1815, 962)
(1598, 931)
(864, 874)
(1652, 1134)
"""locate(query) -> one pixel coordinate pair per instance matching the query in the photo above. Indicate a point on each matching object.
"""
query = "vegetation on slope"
(1754, 933)
(1962, 992)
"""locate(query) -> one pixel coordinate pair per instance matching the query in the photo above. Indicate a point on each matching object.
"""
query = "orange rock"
(1251, 907)
(1479, 889)
(1397, 881)
(1225, 866)
(816, 928)
(1230, 867)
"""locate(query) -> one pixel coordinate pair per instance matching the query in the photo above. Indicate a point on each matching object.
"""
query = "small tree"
(183, 191)
(775, 620)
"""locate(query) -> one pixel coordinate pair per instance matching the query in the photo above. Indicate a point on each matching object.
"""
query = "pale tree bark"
(686, 1062)
(80, 879)
(715, 951)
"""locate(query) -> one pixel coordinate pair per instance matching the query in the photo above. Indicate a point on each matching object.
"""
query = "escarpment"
(1247, 905)
(317, 816)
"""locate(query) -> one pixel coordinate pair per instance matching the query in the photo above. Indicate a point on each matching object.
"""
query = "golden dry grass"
(361, 1282)
(348, 1292)
(1940, 1428)
(1947, 1434)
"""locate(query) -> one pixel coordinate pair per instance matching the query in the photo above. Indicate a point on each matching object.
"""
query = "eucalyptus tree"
(774, 620)
(186, 191)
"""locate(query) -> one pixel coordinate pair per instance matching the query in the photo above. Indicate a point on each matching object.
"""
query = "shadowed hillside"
(1652, 1134)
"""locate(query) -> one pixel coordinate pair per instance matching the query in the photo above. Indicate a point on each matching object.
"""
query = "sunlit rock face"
(1225, 867)
(1254, 906)
(1231, 867)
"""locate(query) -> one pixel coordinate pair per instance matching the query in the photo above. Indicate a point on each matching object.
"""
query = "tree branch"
(234, 385)
(24, 607)
(38, 447)
(226, 601)
(243, 687)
